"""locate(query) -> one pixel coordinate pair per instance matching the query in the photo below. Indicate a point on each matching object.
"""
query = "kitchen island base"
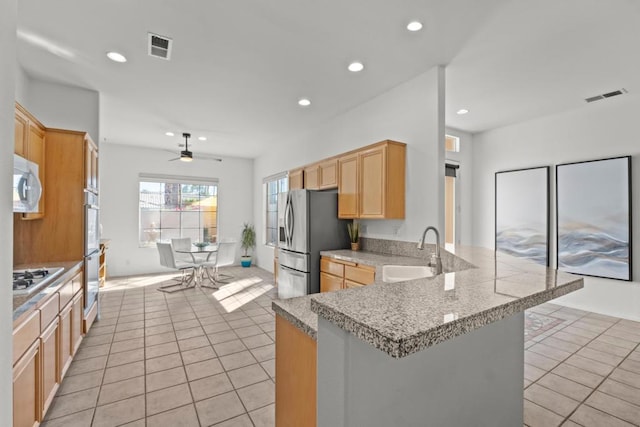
(475, 379)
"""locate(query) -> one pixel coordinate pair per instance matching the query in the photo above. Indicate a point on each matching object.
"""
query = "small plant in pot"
(248, 241)
(354, 235)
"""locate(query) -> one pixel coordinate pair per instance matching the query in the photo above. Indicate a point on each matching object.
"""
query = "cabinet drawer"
(49, 311)
(331, 267)
(330, 283)
(348, 284)
(360, 274)
(66, 293)
(77, 282)
(25, 334)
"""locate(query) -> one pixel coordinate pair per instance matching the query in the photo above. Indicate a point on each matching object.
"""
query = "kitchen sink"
(401, 273)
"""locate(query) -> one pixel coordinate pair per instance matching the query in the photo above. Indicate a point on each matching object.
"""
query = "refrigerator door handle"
(292, 271)
(291, 220)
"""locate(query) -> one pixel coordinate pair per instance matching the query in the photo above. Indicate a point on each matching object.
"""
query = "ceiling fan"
(187, 156)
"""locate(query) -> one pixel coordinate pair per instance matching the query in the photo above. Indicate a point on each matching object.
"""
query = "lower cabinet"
(50, 355)
(296, 372)
(76, 322)
(336, 275)
(44, 344)
(26, 388)
(66, 348)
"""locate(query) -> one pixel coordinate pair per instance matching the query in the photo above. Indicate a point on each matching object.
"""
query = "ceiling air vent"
(160, 46)
(607, 95)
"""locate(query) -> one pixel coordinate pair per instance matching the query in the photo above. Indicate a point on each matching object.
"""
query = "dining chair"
(168, 260)
(225, 256)
(181, 244)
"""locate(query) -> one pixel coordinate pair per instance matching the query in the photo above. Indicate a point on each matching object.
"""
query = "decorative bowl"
(201, 245)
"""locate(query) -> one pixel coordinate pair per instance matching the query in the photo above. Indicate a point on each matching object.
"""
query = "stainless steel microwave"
(27, 188)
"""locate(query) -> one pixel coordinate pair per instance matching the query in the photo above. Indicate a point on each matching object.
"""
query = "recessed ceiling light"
(169, 133)
(462, 111)
(414, 26)
(355, 67)
(202, 138)
(304, 102)
(117, 57)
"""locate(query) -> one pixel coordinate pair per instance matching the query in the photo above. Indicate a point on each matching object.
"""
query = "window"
(173, 207)
(451, 143)
(276, 185)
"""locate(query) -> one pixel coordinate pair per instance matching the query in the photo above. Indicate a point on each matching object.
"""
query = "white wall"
(464, 185)
(412, 112)
(22, 85)
(120, 167)
(61, 106)
(603, 129)
(8, 66)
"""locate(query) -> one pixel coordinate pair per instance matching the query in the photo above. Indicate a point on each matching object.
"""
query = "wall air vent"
(607, 95)
(160, 46)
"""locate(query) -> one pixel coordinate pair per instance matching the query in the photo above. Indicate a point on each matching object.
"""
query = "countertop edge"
(294, 320)
(398, 348)
(37, 299)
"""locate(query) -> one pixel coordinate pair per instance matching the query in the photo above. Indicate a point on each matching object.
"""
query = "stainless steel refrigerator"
(307, 224)
(91, 251)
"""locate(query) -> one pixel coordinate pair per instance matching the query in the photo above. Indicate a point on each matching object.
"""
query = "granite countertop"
(26, 303)
(403, 318)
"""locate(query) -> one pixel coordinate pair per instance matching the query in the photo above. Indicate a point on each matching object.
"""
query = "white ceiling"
(239, 66)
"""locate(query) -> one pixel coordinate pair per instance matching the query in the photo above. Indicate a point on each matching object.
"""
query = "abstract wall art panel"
(522, 213)
(593, 202)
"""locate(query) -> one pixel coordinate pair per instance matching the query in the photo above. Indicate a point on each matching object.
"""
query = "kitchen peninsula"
(448, 348)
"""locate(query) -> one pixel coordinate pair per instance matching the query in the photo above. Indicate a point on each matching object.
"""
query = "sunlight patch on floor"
(240, 292)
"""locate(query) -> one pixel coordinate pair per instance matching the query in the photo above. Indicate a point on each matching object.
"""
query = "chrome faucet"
(436, 262)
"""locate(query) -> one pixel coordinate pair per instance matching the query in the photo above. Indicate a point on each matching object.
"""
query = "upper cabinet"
(91, 164)
(328, 174)
(372, 182)
(30, 143)
(312, 177)
(296, 179)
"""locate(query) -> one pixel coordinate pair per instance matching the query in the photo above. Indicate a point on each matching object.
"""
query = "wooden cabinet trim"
(331, 267)
(361, 274)
(50, 358)
(348, 284)
(329, 282)
(49, 311)
(25, 334)
(26, 388)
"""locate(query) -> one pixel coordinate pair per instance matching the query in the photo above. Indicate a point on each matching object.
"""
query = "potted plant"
(248, 241)
(354, 235)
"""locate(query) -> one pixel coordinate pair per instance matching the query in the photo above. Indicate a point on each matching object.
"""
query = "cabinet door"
(348, 284)
(364, 275)
(26, 391)
(329, 174)
(50, 353)
(21, 134)
(312, 177)
(330, 283)
(296, 179)
(372, 183)
(76, 322)
(348, 186)
(66, 348)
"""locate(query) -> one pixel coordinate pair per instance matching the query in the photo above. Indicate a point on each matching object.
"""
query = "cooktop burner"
(26, 281)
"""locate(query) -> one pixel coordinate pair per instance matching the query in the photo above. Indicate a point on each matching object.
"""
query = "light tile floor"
(204, 357)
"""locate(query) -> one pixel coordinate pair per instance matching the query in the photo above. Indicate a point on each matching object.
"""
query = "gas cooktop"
(27, 281)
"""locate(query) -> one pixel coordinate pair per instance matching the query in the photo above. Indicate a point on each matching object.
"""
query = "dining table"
(200, 255)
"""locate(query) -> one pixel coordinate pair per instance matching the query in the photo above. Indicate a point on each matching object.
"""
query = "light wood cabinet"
(296, 371)
(312, 177)
(50, 355)
(296, 179)
(26, 388)
(66, 347)
(348, 186)
(375, 178)
(29, 143)
(338, 274)
(59, 235)
(76, 322)
(102, 271)
(328, 174)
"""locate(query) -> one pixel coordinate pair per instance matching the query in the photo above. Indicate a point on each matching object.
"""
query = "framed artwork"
(593, 200)
(522, 213)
